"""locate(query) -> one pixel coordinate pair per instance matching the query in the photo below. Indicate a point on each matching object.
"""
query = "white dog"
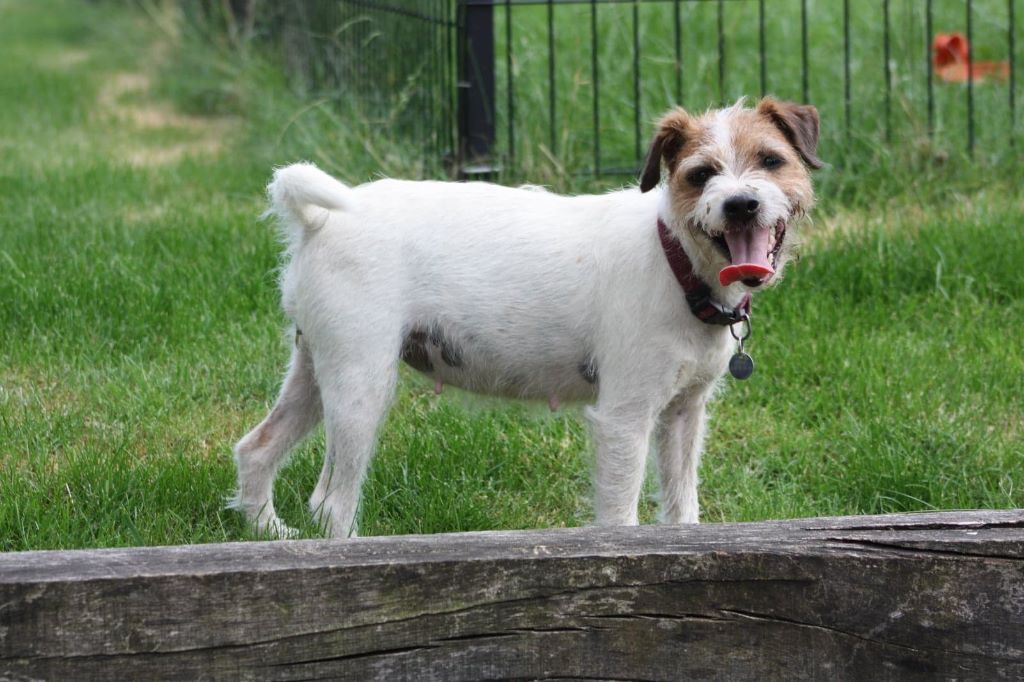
(625, 297)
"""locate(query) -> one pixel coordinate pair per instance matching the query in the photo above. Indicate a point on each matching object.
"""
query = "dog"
(529, 294)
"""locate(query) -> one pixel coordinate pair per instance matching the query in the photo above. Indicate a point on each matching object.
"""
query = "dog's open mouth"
(752, 252)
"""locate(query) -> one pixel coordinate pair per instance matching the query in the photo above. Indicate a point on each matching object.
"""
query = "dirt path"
(134, 123)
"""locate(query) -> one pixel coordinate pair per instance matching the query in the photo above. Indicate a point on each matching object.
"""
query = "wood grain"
(913, 596)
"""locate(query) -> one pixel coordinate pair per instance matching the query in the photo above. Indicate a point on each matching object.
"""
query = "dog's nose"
(740, 208)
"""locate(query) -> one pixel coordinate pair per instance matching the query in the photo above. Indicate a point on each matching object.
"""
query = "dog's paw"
(276, 529)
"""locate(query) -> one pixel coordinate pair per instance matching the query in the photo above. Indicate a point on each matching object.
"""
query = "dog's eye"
(771, 161)
(699, 177)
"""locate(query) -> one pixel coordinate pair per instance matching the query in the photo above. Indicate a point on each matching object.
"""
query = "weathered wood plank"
(914, 596)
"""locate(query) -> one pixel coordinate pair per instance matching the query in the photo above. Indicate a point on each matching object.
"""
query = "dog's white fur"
(529, 286)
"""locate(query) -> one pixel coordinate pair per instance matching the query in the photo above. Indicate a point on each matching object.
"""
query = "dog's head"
(736, 178)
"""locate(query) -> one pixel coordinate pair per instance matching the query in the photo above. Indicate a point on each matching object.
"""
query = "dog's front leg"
(680, 440)
(621, 438)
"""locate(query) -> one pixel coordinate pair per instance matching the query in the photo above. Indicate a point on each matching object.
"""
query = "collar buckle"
(712, 312)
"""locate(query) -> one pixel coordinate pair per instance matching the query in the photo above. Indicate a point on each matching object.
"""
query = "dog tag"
(741, 365)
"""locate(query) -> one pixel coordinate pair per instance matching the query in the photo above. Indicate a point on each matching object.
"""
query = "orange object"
(745, 271)
(950, 57)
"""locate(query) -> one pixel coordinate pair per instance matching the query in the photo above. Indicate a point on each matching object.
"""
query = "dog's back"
(455, 264)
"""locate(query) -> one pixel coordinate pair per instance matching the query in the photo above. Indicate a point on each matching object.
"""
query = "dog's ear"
(799, 125)
(673, 131)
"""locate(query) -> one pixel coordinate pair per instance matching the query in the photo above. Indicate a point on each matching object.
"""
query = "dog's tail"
(302, 194)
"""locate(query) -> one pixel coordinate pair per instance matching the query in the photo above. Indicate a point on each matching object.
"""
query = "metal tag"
(741, 365)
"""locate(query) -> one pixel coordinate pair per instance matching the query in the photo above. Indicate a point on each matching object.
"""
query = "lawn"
(140, 333)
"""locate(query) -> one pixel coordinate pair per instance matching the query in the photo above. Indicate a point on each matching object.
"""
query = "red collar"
(698, 294)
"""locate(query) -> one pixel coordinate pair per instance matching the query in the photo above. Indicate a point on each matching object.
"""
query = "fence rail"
(909, 596)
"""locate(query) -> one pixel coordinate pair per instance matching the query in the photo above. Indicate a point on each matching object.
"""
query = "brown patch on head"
(787, 130)
(761, 155)
(674, 131)
(738, 142)
(798, 124)
(755, 138)
(698, 150)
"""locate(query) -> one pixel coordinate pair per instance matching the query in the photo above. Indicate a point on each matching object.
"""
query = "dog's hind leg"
(261, 452)
(356, 396)
(680, 440)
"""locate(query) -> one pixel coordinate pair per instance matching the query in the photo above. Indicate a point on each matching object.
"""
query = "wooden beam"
(908, 596)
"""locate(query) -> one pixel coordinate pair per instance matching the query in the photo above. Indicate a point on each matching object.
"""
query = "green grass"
(140, 333)
(892, 386)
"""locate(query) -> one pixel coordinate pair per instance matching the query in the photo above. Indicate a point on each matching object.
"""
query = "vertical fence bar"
(441, 122)
(424, 93)
(928, 60)
(428, 93)
(437, 96)
(445, 67)
(358, 33)
(446, 78)
(452, 61)
(510, 106)
(846, 65)
(353, 59)
(340, 59)
(553, 135)
(436, 39)
(461, 85)
(804, 61)
(887, 50)
(636, 80)
(678, 36)
(597, 93)
(721, 52)
(761, 47)
(1011, 19)
(476, 88)
(970, 80)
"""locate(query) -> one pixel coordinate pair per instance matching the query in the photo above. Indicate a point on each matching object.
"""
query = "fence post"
(476, 125)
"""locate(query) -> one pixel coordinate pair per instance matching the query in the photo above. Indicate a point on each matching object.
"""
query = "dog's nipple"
(438, 387)
(553, 403)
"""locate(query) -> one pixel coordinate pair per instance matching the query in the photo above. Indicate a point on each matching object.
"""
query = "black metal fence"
(575, 84)
(870, 67)
(391, 63)
(388, 65)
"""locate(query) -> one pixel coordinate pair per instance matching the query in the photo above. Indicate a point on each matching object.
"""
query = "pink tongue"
(749, 251)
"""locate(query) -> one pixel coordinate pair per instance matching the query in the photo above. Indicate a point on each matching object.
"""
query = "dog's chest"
(701, 359)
